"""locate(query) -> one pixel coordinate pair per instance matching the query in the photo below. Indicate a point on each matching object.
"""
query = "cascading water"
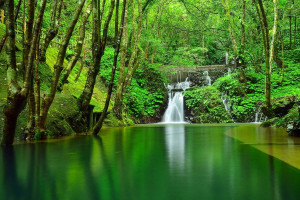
(259, 116)
(225, 102)
(226, 58)
(175, 110)
(207, 77)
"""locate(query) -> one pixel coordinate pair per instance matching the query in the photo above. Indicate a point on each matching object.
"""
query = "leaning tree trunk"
(54, 26)
(2, 42)
(81, 64)
(118, 38)
(125, 79)
(58, 67)
(98, 51)
(78, 49)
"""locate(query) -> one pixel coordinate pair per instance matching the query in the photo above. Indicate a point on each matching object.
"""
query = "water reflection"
(146, 163)
(175, 145)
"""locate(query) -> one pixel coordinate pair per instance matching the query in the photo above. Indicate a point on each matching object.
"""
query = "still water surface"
(147, 163)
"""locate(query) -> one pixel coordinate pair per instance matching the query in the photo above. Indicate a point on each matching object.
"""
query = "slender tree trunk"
(32, 113)
(37, 92)
(54, 26)
(81, 64)
(78, 48)
(125, 79)
(118, 38)
(98, 51)
(118, 99)
(274, 33)
(58, 67)
(28, 33)
(242, 77)
(16, 17)
(265, 30)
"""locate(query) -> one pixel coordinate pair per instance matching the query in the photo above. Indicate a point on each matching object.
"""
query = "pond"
(175, 161)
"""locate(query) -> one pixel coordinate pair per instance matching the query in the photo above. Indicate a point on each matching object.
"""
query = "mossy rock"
(293, 118)
(282, 106)
(64, 117)
(205, 105)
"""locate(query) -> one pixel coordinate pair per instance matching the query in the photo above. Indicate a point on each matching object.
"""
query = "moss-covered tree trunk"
(78, 48)
(98, 49)
(58, 67)
(17, 95)
(269, 50)
(118, 38)
(118, 99)
(125, 78)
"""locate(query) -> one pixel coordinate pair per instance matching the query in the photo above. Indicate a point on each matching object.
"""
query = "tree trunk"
(118, 36)
(242, 76)
(37, 92)
(78, 49)
(48, 99)
(274, 33)
(98, 51)
(17, 96)
(16, 17)
(28, 33)
(125, 79)
(81, 64)
(118, 99)
(12, 108)
(54, 26)
(265, 30)
(32, 113)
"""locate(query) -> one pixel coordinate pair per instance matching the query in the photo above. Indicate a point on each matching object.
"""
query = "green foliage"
(205, 103)
(146, 93)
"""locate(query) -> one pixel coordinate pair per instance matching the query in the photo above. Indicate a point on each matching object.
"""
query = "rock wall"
(195, 74)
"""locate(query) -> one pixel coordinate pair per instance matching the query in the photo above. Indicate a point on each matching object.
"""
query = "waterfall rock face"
(175, 109)
(196, 74)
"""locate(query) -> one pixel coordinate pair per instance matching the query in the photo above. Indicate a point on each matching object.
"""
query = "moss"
(206, 106)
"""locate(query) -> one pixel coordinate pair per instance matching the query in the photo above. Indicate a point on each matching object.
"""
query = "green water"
(146, 162)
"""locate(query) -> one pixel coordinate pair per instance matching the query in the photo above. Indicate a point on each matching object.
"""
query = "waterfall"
(226, 58)
(207, 77)
(228, 71)
(259, 116)
(175, 109)
(225, 102)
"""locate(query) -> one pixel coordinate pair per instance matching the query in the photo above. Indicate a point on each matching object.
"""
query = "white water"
(259, 116)
(175, 110)
(228, 71)
(207, 77)
(226, 58)
(225, 102)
